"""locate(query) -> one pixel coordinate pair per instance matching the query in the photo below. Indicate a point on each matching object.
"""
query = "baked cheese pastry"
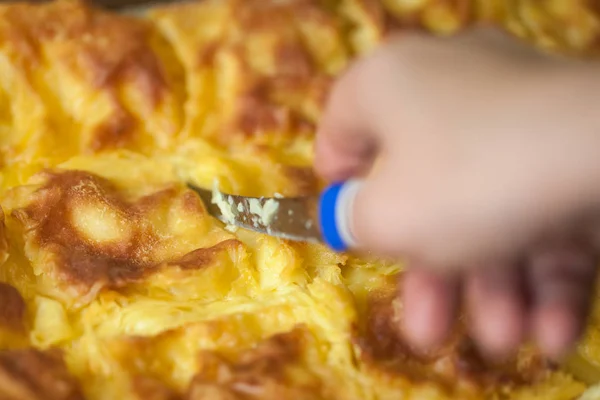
(115, 283)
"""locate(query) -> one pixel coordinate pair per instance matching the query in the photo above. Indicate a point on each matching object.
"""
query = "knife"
(316, 219)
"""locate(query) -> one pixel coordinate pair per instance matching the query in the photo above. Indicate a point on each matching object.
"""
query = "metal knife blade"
(292, 218)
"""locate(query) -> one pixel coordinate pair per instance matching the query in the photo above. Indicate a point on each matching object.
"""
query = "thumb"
(387, 220)
(375, 215)
(368, 213)
(346, 143)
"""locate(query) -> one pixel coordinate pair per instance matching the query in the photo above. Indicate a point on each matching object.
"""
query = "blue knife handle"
(335, 207)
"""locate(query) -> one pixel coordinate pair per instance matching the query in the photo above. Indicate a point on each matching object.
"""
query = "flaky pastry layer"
(115, 283)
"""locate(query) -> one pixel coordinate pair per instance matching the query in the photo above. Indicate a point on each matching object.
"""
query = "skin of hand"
(480, 164)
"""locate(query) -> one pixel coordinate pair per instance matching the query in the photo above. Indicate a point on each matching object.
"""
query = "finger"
(496, 308)
(346, 143)
(430, 303)
(562, 280)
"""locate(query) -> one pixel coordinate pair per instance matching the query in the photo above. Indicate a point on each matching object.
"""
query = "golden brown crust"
(456, 366)
(12, 309)
(70, 25)
(437, 16)
(32, 374)
(99, 259)
(572, 27)
(61, 220)
(3, 239)
(49, 218)
(99, 78)
(265, 372)
(149, 388)
(272, 76)
(205, 257)
(305, 180)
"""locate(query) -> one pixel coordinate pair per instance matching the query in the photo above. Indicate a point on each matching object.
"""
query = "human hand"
(479, 159)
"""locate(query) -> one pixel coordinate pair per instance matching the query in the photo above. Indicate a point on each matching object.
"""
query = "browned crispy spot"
(32, 374)
(148, 388)
(267, 372)
(48, 217)
(113, 133)
(192, 202)
(284, 94)
(273, 105)
(103, 50)
(203, 257)
(79, 260)
(375, 12)
(254, 115)
(462, 10)
(304, 180)
(12, 308)
(104, 47)
(384, 347)
(3, 239)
